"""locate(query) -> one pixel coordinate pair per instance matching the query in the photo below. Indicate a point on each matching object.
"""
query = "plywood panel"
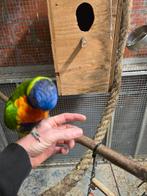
(81, 69)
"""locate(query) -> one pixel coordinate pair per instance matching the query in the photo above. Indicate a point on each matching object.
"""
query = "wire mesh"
(129, 114)
(24, 33)
(127, 123)
(7, 89)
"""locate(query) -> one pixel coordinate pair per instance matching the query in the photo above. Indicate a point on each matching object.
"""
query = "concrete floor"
(42, 178)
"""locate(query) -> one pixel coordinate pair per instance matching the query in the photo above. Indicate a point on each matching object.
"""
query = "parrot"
(30, 103)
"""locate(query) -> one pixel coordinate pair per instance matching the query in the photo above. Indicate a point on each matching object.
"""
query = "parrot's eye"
(85, 16)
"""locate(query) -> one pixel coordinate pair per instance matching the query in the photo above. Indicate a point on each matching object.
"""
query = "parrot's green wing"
(21, 90)
(10, 113)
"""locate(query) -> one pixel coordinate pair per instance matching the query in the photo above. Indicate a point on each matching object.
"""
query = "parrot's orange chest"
(28, 114)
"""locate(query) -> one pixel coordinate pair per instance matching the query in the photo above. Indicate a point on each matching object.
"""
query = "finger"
(66, 134)
(70, 144)
(64, 150)
(65, 118)
(57, 149)
(60, 142)
(65, 126)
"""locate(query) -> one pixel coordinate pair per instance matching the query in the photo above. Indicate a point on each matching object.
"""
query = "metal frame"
(135, 60)
(18, 74)
(134, 64)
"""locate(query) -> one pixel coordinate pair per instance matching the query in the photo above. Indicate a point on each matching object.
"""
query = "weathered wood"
(117, 13)
(81, 69)
(3, 97)
(102, 187)
(116, 158)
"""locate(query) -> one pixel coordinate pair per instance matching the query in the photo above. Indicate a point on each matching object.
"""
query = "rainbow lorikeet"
(30, 103)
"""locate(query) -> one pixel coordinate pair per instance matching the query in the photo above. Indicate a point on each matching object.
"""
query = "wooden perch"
(116, 158)
(3, 97)
(102, 187)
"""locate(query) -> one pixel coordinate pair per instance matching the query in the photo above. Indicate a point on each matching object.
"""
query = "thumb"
(68, 133)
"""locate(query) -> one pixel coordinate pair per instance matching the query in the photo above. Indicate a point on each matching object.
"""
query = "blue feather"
(43, 95)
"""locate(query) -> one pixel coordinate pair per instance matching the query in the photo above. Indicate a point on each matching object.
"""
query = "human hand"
(54, 132)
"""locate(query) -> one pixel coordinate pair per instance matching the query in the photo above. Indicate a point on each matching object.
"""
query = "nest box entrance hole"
(85, 16)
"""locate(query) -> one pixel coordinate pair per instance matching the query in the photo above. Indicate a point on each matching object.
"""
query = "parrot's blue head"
(43, 95)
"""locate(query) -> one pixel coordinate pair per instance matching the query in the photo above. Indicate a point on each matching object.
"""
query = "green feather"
(10, 115)
(20, 90)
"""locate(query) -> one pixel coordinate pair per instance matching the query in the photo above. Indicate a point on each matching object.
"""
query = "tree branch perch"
(116, 158)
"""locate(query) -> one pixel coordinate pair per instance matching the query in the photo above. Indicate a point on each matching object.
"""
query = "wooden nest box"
(81, 37)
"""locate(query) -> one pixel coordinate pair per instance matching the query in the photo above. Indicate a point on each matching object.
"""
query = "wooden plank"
(114, 13)
(80, 69)
(117, 13)
(102, 187)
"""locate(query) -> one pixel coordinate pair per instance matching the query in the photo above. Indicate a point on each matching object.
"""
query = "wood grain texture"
(80, 70)
(117, 13)
(102, 187)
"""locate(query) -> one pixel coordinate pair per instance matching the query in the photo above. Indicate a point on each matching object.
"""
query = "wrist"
(26, 142)
(34, 143)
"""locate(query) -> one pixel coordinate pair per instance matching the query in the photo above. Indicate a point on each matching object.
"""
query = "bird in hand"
(30, 103)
